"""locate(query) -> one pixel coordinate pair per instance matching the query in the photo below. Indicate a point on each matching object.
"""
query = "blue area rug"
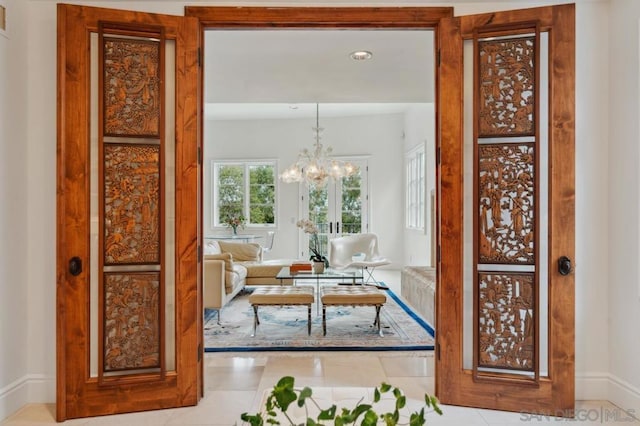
(285, 328)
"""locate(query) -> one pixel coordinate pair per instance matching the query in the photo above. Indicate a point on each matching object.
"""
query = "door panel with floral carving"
(129, 323)
(504, 313)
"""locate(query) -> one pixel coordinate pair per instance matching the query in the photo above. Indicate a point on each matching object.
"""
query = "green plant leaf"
(432, 401)
(397, 393)
(384, 387)
(254, 420)
(304, 394)
(360, 408)
(283, 392)
(346, 419)
(269, 403)
(401, 401)
(311, 422)
(376, 395)
(285, 382)
(388, 419)
(328, 414)
(417, 419)
(370, 418)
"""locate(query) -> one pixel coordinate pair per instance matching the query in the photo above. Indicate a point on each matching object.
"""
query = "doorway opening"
(266, 92)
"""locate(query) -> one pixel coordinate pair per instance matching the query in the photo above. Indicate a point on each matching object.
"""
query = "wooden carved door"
(505, 301)
(128, 327)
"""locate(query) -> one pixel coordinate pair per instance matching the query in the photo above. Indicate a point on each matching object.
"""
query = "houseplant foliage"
(284, 394)
(314, 243)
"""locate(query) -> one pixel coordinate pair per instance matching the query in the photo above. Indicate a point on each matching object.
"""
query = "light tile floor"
(236, 383)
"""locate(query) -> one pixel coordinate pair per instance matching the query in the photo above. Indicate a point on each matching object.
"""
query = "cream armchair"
(229, 267)
(224, 274)
(359, 251)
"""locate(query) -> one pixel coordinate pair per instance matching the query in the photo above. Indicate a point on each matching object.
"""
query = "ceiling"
(262, 73)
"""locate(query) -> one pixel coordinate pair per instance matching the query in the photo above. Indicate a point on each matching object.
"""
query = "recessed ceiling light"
(361, 55)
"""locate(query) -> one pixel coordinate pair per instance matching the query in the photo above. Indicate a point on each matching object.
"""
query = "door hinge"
(438, 351)
(199, 57)
(438, 255)
(199, 156)
(199, 352)
(438, 58)
(438, 156)
(199, 253)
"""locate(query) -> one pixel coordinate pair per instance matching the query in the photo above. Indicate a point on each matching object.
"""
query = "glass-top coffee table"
(349, 276)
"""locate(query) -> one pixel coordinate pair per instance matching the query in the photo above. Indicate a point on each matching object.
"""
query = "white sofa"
(228, 267)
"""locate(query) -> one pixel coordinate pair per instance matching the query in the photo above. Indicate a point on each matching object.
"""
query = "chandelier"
(315, 166)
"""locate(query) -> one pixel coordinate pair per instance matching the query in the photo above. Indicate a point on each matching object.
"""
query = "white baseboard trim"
(624, 395)
(31, 388)
(592, 386)
(40, 388)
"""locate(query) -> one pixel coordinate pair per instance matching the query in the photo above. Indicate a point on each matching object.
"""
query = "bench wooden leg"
(378, 319)
(309, 320)
(256, 321)
(324, 320)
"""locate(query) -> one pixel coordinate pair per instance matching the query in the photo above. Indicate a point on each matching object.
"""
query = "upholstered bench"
(281, 296)
(418, 287)
(351, 295)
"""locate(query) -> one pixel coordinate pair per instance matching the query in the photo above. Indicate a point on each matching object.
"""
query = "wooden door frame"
(449, 171)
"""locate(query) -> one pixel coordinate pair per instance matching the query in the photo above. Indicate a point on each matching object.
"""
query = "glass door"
(337, 208)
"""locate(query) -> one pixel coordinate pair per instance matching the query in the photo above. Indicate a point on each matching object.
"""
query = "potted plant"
(284, 394)
(234, 222)
(318, 259)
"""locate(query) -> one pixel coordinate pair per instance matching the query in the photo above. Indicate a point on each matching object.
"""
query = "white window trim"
(246, 163)
(415, 198)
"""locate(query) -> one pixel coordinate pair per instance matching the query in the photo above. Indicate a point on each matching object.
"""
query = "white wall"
(606, 243)
(623, 198)
(592, 244)
(14, 321)
(420, 130)
(379, 137)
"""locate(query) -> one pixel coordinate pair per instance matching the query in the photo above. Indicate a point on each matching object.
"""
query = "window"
(415, 187)
(247, 189)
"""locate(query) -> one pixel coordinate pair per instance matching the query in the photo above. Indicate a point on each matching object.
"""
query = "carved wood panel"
(506, 321)
(131, 204)
(131, 320)
(507, 79)
(506, 203)
(132, 87)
